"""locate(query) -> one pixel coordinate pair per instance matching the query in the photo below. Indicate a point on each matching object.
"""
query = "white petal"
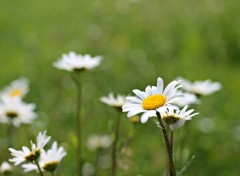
(160, 85)
(145, 116)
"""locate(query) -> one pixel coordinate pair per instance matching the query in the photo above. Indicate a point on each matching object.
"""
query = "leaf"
(184, 168)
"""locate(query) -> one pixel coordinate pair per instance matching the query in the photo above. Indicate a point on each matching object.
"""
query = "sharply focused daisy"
(17, 88)
(185, 99)
(112, 101)
(49, 160)
(16, 112)
(176, 118)
(77, 62)
(30, 155)
(152, 100)
(200, 87)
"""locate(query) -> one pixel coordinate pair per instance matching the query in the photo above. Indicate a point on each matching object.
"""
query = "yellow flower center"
(170, 119)
(50, 166)
(33, 155)
(153, 102)
(11, 114)
(16, 92)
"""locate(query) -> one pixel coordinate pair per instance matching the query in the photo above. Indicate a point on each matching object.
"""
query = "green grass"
(139, 40)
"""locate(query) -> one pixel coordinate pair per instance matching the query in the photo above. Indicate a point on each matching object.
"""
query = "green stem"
(39, 169)
(10, 134)
(168, 146)
(171, 140)
(76, 78)
(171, 145)
(52, 173)
(114, 145)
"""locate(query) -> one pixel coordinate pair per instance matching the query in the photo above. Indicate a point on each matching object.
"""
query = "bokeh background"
(139, 41)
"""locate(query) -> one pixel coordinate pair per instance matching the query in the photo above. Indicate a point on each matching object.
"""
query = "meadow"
(138, 41)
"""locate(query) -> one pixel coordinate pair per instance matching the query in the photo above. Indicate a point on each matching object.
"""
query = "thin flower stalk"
(114, 145)
(76, 78)
(10, 134)
(168, 146)
(39, 169)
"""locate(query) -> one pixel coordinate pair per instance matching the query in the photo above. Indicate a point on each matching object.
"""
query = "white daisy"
(49, 160)
(5, 168)
(200, 87)
(76, 62)
(17, 88)
(176, 118)
(152, 100)
(30, 155)
(96, 142)
(15, 111)
(185, 99)
(112, 101)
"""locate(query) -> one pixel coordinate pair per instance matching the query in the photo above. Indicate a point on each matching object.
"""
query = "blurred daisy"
(200, 87)
(112, 101)
(5, 168)
(30, 155)
(176, 118)
(76, 62)
(96, 142)
(152, 100)
(15, 111)
(88, 169)
(185, 99)
(17, 88)
(134, 119)
(49, 160)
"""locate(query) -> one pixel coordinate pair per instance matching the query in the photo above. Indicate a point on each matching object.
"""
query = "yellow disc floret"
(153, 102)
(16, 93)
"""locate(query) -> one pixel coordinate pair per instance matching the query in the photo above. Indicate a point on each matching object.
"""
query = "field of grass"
(139, 41)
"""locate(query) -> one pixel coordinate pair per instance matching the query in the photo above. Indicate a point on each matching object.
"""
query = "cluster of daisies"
(154, 99)
(37, 158)
(170, 103)
(178, 94)
(13, 110)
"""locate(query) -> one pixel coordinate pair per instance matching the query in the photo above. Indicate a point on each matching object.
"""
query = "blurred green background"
(139, 41)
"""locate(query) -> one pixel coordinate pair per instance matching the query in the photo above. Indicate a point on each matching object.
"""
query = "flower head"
(17, 89)
(112, 101)
(176, 118)
(30, 155)
(152, 100)
(5, 168)
(15, 111)
(49, 160)
(200, 87)
(76, 62)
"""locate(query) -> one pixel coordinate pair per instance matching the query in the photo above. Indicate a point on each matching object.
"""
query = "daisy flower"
(200, 87)
(17, 88)
(77, 62)
(30, 155)
(152, 100)
(5, 168)
(176, 118)
(15, 111)
(49, 160)
(112, 101)
(185, 99)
